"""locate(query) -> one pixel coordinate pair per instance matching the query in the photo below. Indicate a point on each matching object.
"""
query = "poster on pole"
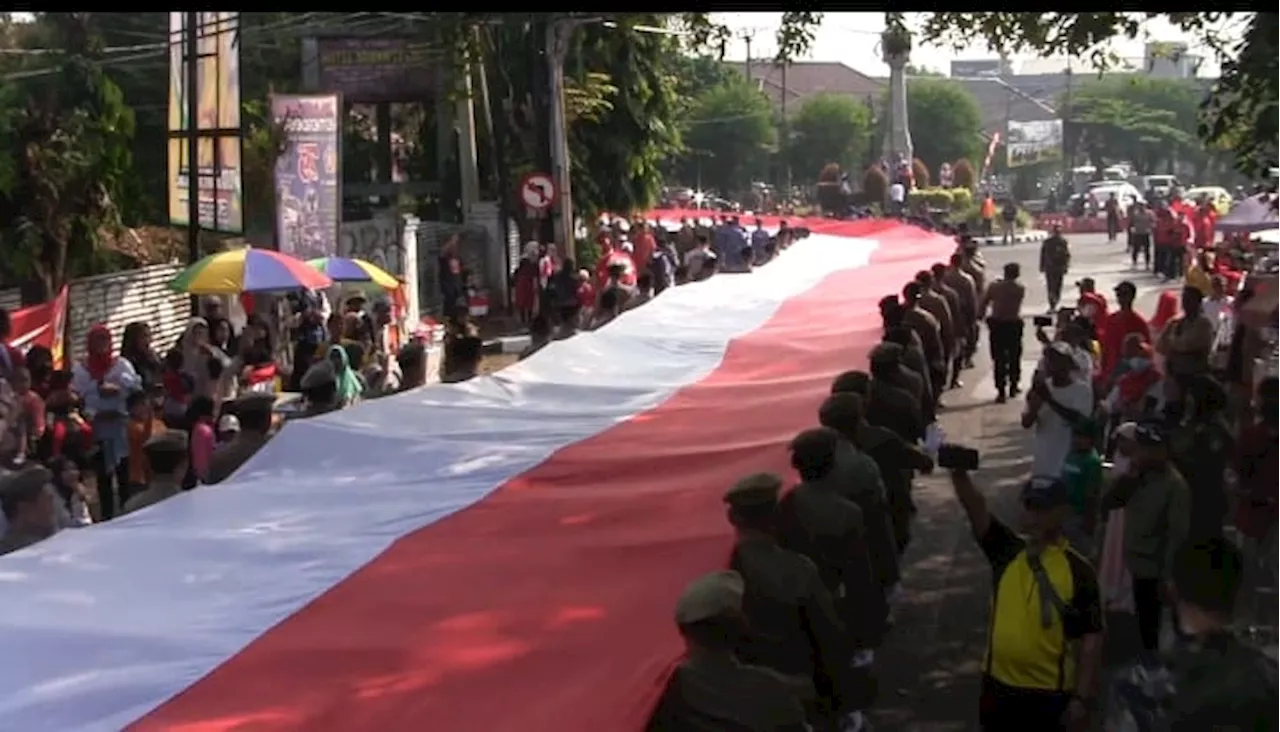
(1028, 143)
(217, 125)
(308, 177)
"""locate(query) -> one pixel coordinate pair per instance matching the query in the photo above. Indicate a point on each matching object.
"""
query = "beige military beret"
(886, 353)
(24, 484)
(710, 596)
(757, 489)
(167, 441)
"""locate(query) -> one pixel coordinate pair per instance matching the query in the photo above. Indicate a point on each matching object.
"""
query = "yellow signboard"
(218, 165)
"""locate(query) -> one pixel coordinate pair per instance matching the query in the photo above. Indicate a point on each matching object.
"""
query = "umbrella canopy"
(1255, 213)
(344, 269)
(248, 270)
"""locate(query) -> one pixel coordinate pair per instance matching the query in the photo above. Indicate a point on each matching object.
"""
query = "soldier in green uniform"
(893, 317)
(889, 402)
(792, 625)
(1211, 679)
(897, 459)
(319, 388)
(819, 520)
(254, 412)
(711, 689)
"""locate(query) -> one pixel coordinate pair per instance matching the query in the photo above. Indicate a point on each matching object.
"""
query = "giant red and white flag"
(499, 555)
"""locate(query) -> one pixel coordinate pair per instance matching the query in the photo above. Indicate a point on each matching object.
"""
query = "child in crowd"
(201, 441)
(1082, 472)
(31, 410)
(142, 426)
(66, 431)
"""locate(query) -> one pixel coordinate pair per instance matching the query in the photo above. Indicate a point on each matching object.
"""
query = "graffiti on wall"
(376, 240)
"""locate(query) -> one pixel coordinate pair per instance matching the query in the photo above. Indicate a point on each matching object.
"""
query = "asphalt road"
(930, 666)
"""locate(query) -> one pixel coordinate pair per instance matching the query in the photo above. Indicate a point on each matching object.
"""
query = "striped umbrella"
(248, 270)
(355, 271)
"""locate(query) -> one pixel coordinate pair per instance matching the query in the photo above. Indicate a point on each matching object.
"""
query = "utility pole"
(192, 90)
(747, 38)
(1066, 119)
(786, 133)
(559, 32)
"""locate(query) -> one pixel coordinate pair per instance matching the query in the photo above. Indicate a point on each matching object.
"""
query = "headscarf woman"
(135, 345)
(350, 387)
(202, 362)
(105, 382)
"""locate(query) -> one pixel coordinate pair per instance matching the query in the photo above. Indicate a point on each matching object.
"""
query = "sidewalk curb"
(1025, 237)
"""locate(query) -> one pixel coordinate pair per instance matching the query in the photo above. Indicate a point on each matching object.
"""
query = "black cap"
(1126, 286)
(1044, 492)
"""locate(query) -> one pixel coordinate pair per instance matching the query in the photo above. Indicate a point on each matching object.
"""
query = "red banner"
(42, 325)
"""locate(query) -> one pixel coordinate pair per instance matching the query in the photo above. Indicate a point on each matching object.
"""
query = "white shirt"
(1052, 432)
(897, 192)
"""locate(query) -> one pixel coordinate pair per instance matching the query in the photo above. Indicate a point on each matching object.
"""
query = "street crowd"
(1140, 459)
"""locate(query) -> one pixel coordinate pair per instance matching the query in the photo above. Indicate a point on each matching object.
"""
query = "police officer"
(926, 326)
(792, 625)
(892, 315)
(711, 689)
(913, 376)
(936, 305)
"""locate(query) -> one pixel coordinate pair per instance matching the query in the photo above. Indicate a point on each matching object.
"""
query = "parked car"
(1161, 185)
(1217, 196)
(1092, 201)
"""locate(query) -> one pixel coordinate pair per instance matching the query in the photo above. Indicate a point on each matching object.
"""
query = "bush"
(830, 173)
(961, 198)
(949, 199)
(920, 173)
(875, 184)
(962, 175)
(972, 214)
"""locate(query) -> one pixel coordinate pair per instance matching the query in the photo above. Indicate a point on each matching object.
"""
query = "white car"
(1127, 194)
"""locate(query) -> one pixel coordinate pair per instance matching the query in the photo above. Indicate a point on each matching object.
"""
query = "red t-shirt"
(1202, 224)
(1093, 305)
(1118, 327)
(586, 295)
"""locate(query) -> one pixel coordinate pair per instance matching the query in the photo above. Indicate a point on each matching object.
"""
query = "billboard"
(219, 180)
(308, 174)
(1028, 143)
(378, 69)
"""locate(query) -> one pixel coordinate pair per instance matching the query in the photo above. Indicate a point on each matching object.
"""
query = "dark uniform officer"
(967, 288)
(819, 520)
(319, 387)
(918, 318)
(792, 626)
(897, 459)
(888, 403)
(254, 412)
(937, 306)
(852, 382)
(892, 313)
(913, 376)
(711, 689)
(960, 320)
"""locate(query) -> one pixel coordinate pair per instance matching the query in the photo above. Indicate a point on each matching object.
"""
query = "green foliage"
(950, 199)
(828, 128)
(1143, 120)
(65, 142)
(972, 214)
(730, 132)
(1242, 109)
(945, 121)
(962, 174)
(875, 185)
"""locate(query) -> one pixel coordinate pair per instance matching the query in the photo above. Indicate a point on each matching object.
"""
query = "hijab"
(99, 364)
(349, 386)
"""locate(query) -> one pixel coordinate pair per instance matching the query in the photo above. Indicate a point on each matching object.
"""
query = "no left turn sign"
(538, 191)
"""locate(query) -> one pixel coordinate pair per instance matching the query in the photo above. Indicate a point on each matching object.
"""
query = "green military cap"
(167, 441)
(254, 403)
(318, 375)
(757, 489)
(24, 484)
(886, 353)
(713, 595)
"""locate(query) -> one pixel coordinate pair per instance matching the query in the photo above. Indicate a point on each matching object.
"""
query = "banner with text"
(218, 163)
(379, 69)
(308, 178)
(1029, 143)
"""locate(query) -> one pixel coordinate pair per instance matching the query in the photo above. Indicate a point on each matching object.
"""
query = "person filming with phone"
(1044, 645)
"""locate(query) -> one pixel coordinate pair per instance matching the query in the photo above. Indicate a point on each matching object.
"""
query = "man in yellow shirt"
(1045, 639)
(1199, 274)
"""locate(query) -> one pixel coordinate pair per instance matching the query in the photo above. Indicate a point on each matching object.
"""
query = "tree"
(875, 185)
(1242, 107)
(731, 130)
(962, 175)
(66, 163)
(828, 128)
(1148, 122)
(945, 121)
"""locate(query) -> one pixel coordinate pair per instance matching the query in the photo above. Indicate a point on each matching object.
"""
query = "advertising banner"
(308, 177)
(378, 69)
(42, 325)
(1029, 143)
(218, 165)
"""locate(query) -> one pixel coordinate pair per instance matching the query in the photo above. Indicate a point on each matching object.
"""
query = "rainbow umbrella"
(248, 270)
(355, 271)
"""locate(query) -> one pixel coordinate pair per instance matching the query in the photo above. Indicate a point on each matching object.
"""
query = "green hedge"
(972, 214)
(951, 199)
